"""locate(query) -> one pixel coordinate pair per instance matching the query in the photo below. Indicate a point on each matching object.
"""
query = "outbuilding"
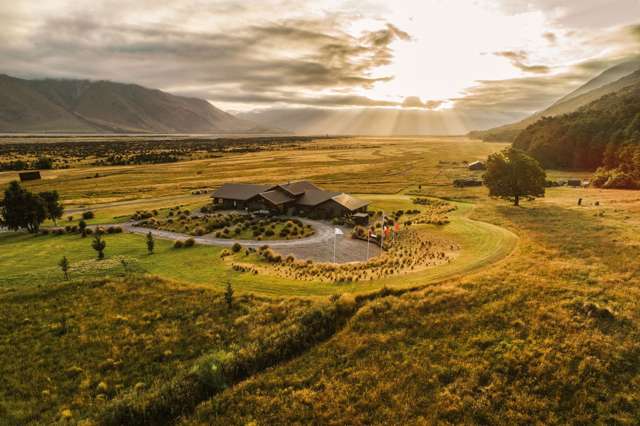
(27, 176)
(477, 165)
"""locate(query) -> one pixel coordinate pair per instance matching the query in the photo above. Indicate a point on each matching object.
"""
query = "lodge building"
(292, 198)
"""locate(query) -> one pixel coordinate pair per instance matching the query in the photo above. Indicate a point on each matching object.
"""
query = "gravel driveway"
(318, 247)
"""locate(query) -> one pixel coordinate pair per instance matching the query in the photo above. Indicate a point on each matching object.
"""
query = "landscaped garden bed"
(237, 226)
(412, 251)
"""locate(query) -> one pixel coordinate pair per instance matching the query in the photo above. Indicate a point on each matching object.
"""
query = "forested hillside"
(603, 135)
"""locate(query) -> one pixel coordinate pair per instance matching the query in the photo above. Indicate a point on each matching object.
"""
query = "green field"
(536, 321)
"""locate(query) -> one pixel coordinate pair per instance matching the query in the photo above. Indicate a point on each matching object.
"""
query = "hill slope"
(611, 80)
(605, 133)
(104, 106)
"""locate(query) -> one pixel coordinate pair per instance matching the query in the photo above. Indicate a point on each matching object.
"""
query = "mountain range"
(83, 106)
(610, 81)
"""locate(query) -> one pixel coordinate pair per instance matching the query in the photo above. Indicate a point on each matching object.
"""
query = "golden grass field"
(537, 321)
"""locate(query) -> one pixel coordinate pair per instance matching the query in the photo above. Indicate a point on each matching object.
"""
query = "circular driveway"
(319, 247)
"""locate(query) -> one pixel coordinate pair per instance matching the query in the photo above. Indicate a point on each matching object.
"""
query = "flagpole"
(382, 233)
(334, 245)
(368, 238)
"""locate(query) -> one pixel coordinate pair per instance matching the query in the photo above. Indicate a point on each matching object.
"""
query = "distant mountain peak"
(86, 106)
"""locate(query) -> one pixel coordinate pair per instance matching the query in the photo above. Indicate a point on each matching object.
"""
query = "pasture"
(535, 319)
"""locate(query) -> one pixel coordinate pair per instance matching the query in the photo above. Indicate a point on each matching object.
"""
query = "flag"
(338, 231)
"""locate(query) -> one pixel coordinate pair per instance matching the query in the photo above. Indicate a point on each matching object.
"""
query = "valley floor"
(541, 325)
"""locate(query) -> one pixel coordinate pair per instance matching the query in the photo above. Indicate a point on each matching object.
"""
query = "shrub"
(88, 215)
(189, 242)
(236, 248)
(269, 233)
(178, 244)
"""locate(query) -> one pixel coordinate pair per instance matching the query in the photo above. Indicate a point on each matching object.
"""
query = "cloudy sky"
(452, 65)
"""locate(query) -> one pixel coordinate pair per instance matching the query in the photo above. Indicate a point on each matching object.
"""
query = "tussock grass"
(77, 346)
(550, 335)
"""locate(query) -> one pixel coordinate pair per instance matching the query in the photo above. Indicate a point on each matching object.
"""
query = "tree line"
(603, 136)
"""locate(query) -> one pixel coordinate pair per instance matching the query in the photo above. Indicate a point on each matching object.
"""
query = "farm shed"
(477, 165)
(26, 176)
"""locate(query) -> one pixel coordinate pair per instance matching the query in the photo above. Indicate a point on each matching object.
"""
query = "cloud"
(262, 59)
(550, 37)
(416, 102)
(518, 58)
(584, 14)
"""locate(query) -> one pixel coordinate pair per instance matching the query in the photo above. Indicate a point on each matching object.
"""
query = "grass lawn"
(33, 259)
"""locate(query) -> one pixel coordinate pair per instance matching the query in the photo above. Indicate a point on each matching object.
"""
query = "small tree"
(228, 295)
(512, 174)
(150, 243)
(99, 245)
(82, 226)
(53, 205)
(64, 267)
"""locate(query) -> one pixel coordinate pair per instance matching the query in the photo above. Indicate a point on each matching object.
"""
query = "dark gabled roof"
(349, 202)
(276, 197)
(313, 197)
(299, 188)
(240, 191)
(303, 193)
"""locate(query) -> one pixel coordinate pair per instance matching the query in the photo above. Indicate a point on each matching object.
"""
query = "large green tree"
(512, 174)
(21, 209)
(53, 205)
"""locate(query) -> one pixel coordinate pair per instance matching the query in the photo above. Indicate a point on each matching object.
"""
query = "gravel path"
(318, 247)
